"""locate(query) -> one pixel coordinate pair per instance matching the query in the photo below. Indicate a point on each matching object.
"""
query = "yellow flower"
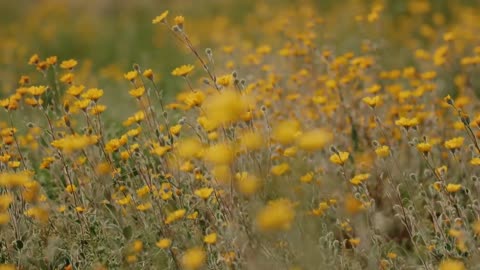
(68, 64)
(454, 143)
(290, 151)
(220, 153)
(179, 20)
(452, 188)
(251, 141)
(166, 191)
(307, 178)
(280, 169)
(97, 109)
(204, 193)
(194, 98)
(476, 227)
(475, 161)
(225, 80)
(137, 246)
(210, 238)
(71, 188)
(354, 241)
(339, 158)
(125, 200)
(285, 132)
(144, 206)
(160, 18)
(4, 219)
(11, 180)
(164, 243)
(5, 201)
(247, 183)
(75, 90)
(82, 104)
(148, 73)
(13, 164)
(175, 130)
(382, 151)
(37, 90)
(93, 94)
(314, 140)
(175, 215)
(392, 255)
(372, 101)
(359, 178)
(131, 75)
(277, 215)
(6, 266)
(225, 107)
(52, 60)
(137, 92)
(183, 70)
(407, 122)
(424, 147)
(38, 213)
(449, 264)
(194, 258)
(193, 215)
(67, 78)
(353, 205)
(34, 59)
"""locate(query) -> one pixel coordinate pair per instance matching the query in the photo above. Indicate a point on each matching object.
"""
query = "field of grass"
(228, 134)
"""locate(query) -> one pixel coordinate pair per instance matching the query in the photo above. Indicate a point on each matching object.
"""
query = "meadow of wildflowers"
(240, 135)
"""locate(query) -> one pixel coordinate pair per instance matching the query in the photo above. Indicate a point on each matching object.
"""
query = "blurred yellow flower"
(450, 264)
(276, 215)
(280, 169)
(194, 258)
(314, 140)
(175, 215)
(164, 243)
(160, 18)
(285, 132)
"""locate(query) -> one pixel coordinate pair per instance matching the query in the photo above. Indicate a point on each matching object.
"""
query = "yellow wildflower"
(285, 132)
(372, 101)
(280, 169)
(164, 243)
(137, 92)
(68, 64)
(314, 140)
(160, 18)
(194, 258)
(175, 215)
(277, 215)
(452, 188)
(183, 70)
(204, 193)
(339, 158)
(210, 238)
(454, 143)
(359, 178)
(450, 264)
(382, 151)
